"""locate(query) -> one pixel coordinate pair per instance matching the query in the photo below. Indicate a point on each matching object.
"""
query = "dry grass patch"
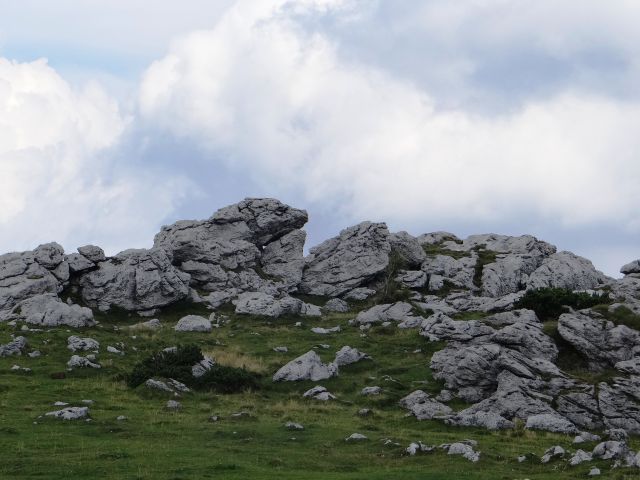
(230, 357)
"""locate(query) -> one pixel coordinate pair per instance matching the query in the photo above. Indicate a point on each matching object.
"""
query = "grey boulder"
(306, 367)
(193, 323)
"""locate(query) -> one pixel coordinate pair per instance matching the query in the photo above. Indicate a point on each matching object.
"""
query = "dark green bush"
(550, 303)
(177, 365)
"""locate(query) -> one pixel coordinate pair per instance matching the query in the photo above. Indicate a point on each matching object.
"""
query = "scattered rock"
(550, 423)
(367, 391)
(336, 305)
(193, 323)
(153, 325)
(319, 393)
(465, 450)
(594, 472)
(293, 426)
(70, 413)
(580, 457)
(553, 453)
(78, 344)
(585, 437)
(326, 331)
(306, 367)
(173, 405)
(356, 437)
(14, 347)
(76, 361)
(348, 355)
(415, 447)
(280, 349)
(48, 310)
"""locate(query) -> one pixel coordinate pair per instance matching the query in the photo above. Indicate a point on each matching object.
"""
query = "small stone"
(365, 412)
(214, 418)
(594, 472)
(121, 418)
(366, 391)
(70, 413)
(356, 437)
(293, 426)
(280, 349)
(552, 453)
(173, 405)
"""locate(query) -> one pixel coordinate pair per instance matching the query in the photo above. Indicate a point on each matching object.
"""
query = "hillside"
(224, 352)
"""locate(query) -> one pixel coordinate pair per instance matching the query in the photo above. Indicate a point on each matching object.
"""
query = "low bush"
(550, 303)
(177, 364)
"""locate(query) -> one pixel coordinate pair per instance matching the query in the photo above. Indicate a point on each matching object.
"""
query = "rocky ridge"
(249, 256)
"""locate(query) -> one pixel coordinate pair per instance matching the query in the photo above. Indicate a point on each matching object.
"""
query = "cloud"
(59, 177)
(280, 102)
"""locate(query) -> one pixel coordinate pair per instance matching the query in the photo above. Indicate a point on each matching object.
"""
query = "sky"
(474, 116)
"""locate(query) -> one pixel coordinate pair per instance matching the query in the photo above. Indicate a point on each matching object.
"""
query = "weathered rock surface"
(22, 276)
(193, 323)
(566, 270)
(336, 305)
(70, 413)
(135, 280)
(76, 361)
(348, 355)
(348, 261)
(394, 312)
(263, 304)
(319, 393)
(78, 344)
(48, 310)
(306, 367)
(600, 341)
(92, 253)
(631, 267)
(17, 346)
(407, 248)
(423, 407)
(283, 258)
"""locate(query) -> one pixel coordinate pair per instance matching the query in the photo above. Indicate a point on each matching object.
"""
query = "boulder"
(465, 450)
(351, 260)
(412, 278)
(225, 251)
(441, 327)
(601, 342)
(368, 391)
(435, 238)
(306, 367)
(92, 253)
(76, 361)
(631, 268)
(48, 310)
(319, 393)
(347, 355)
(17, 346)
(78, 344)
(566, 270)
(581, 408)
(407, 248)
(70, 413)
(390, 312)
(553, 453)
(262, 304)
(202, 367)
(488, 420)
(459, 272)
(78, 263)
(551, 423)
(580, 457)
(193, 323)
(336, 305)
(22, 277)
(283, 258)
(135, 280)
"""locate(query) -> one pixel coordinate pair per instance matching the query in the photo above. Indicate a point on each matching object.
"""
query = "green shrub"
(177, 365)
(550, 303)
(620, 316)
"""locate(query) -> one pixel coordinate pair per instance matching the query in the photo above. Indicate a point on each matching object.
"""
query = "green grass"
(620, 316)
(156, 444)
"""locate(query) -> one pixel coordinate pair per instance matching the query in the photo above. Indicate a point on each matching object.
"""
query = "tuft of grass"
(484, 258)
(233, 357)
(621, 315)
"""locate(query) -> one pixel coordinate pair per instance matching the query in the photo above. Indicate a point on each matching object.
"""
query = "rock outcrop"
(348, 261)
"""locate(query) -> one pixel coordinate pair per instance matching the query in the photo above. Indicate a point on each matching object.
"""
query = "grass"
(158, 444)
(621, 315)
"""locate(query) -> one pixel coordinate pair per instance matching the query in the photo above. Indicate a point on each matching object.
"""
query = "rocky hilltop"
(475, 296)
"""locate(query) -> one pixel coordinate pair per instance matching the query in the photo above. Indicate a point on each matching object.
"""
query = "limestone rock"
(356, 437)
(76, 361)
(553, 453)
(488, 420)
(600, 341)
(336, 305)
(631, 267)
(22, 277)
(79, 263)
(92, 253)
(350, 260)
(319, 393)
(441, 327)
(193, 323)
(306, 367)
(258, 303)
(459, 272)
(153, 325)
(48, 310)
(347, 355)
(619, 404)
(394, 312)
(202, 367)
(15, 347)
(550, 423)
(78, 344)
(434, 238)
(580, 457)
(135, 280)
(407, 248)
(412, 278)
(283, 258)
(566, 270)
(465, 450)
(70, 413)
(368, 391)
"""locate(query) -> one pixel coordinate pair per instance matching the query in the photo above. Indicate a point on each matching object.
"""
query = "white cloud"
(288, 109)
(57, 178)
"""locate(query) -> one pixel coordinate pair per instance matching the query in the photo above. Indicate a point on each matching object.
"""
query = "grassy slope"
(158, 444)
